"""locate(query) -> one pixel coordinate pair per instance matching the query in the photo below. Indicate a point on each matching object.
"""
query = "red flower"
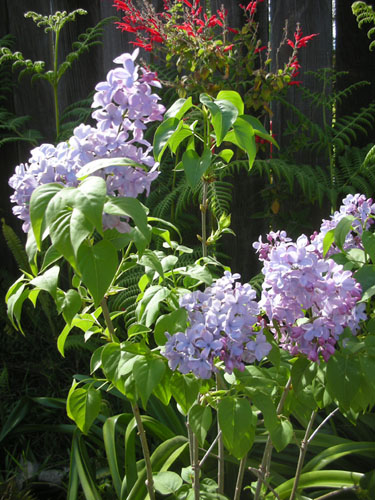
(228, 47)
(187, 3)
(295, 82)
(259, 49)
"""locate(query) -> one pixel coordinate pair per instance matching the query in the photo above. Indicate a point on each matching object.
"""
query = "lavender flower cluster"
(125, 104)
(362, 209)
(311, 298)
(222, 326)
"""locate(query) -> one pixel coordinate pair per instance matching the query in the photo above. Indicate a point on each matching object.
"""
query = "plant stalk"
(302, 454)
(145, 450)
(203, 208)
(220, 446)
(107, 318)
(263, 470)
(241, 472)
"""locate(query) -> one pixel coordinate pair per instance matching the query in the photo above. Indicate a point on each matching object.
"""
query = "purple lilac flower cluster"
(312, 299)
(222, 325)
(362, 209)
(124, 105)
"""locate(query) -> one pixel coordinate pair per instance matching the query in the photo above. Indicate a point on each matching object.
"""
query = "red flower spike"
(187, 3)
(228, 47)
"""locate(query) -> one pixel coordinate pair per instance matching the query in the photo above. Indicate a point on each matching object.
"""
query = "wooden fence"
(315, 16)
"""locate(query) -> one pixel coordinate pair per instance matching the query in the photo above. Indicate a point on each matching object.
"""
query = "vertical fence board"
(353, 57)
(313, 17)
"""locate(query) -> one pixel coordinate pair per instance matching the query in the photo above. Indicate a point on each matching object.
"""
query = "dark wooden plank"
(354, 57)
(314, 17)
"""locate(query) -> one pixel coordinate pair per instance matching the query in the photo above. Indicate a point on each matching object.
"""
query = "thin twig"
(267, 454)
(220, 462)
(302, 454)
(107, 318)
(145, 450)
(334, 493)
(241, 472)
(321, 425)
(206, 455)
(264, 481)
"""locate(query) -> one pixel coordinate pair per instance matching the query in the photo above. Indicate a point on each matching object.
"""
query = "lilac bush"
(362, 209)
(124, 105)
(311, 299)
(223, 325)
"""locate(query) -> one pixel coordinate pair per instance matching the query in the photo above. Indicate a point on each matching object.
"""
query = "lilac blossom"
(362, 209)
(222, 326)
(311, 299)
(124, 106)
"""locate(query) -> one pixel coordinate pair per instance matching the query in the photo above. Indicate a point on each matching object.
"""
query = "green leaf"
(343, 378)
(226, 155)
(97, 265)
(178, 108)
(58, 217)
(83, 405)
(200, 419)
(237, 424)
(117, 364)
(130, 207)
(39, 200)
(82, 464)
(224, 119)
(329, 238)
(95, 165)
(318, 479)
(366, 276)
(161, 459)
(281, 434)
(259, 130)
(167, 482)
(195, 166)
(185, 390)
(322, 459)
(112, 430)
(48, 280)
(368, 240)
(233, 97)
(14, 302)
(148, 372)
(148, 308)
(151, 260)
(223, 115)
(174, 322)
(51, 256)
(182, 132)
(69, 304)
(162, 136)
(342, 229)
(245, 138)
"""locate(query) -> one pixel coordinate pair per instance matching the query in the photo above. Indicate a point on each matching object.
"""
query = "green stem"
(194, 459)
(145, 450)
(263, 471)
(203, 208)
(56, 83)
(107, 318)
(302, 454)
(241, 472)
(220, 446)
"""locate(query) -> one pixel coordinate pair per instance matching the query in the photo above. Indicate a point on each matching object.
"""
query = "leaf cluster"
(365, 14)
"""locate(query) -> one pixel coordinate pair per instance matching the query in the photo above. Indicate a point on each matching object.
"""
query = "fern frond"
(370, 158)
(86, 40)
(220, 197)
(15, 246)
(364, 15)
